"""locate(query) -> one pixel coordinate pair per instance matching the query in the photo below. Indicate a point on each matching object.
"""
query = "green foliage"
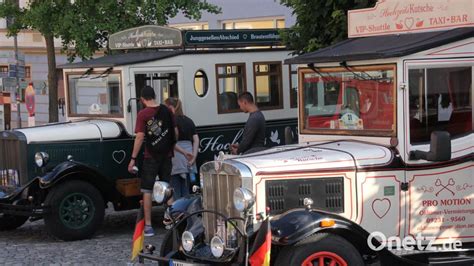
(84, 25)
(319, 23)
(90, 22)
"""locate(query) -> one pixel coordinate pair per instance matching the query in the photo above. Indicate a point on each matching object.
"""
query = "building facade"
(242, 14)
(32, 53)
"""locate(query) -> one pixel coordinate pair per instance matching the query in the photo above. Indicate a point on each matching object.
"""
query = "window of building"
(280, 23)
(254, 24)
(191, 26)
(27, 72)
(268, 85)
(440, 99)
(293, 70)
(201, 83)
(230, 83)
(4, 71)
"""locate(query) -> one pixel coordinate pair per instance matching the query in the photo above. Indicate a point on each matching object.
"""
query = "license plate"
(185, 263)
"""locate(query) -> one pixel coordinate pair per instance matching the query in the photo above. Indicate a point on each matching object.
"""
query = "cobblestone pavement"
(111, 245)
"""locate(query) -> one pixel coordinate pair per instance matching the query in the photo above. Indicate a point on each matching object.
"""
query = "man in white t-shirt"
(445, 108)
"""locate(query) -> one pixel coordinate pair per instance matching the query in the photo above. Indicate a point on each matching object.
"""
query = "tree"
(319, 23)
(90, 22)
(84, 26)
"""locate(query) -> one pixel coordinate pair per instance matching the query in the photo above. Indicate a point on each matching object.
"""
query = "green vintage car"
(65, 173)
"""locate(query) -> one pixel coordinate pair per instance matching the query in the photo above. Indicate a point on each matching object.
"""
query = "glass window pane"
(200, 83)
(440, 99)
(190, 26)
(262, 24)
(95, 96)
(280, 23)
(231, 82)
(358, 100)
(268, 85)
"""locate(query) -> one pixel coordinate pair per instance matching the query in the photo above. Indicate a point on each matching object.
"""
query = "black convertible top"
(385, 46)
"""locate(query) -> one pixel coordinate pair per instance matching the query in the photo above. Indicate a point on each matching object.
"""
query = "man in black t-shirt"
(153, 164)
(253, 138)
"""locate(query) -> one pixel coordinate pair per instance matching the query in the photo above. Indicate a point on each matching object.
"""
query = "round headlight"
(243, 199)
(187, 240)
(41, 158)
(162, 191)
(217, 247)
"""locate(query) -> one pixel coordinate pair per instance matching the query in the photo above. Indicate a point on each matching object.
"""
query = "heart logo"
(381, 207)
(118, 156)
(409, 22)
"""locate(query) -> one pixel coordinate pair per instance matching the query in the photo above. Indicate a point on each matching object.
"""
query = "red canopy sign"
(403, 16)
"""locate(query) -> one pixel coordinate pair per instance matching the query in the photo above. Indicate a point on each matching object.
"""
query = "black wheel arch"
(296, 225)
(71, 170)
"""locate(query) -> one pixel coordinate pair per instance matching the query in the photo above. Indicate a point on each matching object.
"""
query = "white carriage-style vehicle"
(383, 171)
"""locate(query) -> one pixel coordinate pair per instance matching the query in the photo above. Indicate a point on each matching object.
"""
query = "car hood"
(82, 130)
(334, 155)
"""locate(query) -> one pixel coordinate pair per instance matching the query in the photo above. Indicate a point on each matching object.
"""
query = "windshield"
(350, 101)
(94, 95)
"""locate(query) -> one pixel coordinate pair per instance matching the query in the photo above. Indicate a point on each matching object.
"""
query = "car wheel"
(77, 210)
(321, 249)
(10, 222)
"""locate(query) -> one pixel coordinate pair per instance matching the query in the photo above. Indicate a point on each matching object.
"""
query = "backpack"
(160, 136)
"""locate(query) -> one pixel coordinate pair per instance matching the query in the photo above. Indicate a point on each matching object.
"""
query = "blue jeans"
(180, 186)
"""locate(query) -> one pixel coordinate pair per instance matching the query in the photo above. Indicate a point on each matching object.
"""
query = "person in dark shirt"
(153, 164)
(253, 138)
(184, 164)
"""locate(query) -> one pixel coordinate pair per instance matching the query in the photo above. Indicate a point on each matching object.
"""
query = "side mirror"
(440, 148)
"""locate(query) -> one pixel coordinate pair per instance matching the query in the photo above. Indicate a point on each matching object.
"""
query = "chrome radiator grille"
(12, 161)
(218, 191)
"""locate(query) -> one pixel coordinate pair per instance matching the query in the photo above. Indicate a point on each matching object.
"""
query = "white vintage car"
(383, 171)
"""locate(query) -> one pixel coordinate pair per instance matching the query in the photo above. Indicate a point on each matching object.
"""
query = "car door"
(440, 196)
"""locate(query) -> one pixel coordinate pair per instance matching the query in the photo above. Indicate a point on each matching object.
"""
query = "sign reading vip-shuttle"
(403, 16)
(149, 36)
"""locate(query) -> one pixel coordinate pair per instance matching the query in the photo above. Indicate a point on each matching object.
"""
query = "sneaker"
(149, 231)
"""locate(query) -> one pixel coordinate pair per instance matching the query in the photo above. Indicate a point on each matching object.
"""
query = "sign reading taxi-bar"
(404, 16)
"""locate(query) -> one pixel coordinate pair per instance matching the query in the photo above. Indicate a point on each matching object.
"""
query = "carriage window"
(293, 86)
(440, 99)
(98, 96)
(268, 86)
(358, 99)
(230, 83)
(200, 83)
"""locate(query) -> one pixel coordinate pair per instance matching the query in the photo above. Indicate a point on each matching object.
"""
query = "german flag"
(138, 235)
(260, 254)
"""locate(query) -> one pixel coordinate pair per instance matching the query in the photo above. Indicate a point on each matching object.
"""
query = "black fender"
(77, 170)
(186, 205)
(182, 208)
(297, 224)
